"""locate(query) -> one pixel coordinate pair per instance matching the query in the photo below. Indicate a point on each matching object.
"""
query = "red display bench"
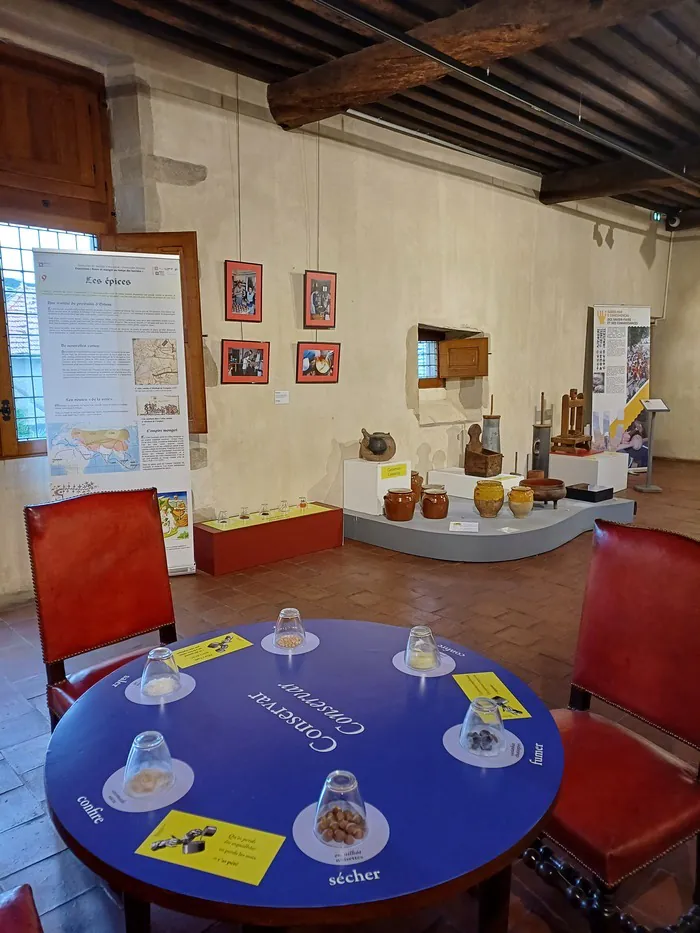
(237, 545)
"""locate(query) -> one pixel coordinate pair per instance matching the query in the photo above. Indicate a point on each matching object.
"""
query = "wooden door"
(463, 359)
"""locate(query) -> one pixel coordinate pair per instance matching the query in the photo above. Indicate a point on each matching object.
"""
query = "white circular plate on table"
(510, 754)
(446, 666)
(113, 791)
(309, 843)
(133, 692)
(310, 643)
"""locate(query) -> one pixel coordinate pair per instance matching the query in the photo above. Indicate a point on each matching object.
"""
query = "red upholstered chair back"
(639, 640)
(99, 568)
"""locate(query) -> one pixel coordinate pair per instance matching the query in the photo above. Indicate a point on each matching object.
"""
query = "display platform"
(225, 547)
(365, 482)
(497, 539)
(461, 484)
(605, 469)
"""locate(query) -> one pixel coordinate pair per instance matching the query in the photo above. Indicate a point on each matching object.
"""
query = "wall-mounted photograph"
(245, 361)
(318, 362)
(319, 299)
(243, 290)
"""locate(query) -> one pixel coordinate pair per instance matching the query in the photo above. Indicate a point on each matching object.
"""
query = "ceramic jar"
(488, 497)
(399, 505)
(435, 502)
(416, 486)
(521, 499)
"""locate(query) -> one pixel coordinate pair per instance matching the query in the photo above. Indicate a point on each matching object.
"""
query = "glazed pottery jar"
(416, 485)
(488, 497)
(399, 505)
(435, 502)
(521, 499)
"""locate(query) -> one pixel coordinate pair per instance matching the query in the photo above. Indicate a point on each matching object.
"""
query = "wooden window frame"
(428, 333)
(57, 208)
(184, 245)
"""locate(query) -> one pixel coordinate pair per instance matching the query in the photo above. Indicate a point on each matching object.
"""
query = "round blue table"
(452, 826)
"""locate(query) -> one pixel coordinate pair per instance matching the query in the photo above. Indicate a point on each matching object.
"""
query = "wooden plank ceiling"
(625, 68)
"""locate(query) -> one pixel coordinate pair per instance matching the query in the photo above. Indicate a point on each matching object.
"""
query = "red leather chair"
(18, 911)
(625, 802)
(100, 577)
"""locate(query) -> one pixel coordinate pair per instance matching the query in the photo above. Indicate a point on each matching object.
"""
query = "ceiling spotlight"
(672, 221)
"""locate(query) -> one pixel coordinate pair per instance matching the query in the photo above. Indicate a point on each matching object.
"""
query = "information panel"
(113, 363)
(621, 355)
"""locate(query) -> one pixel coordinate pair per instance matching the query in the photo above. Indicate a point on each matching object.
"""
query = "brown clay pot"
(521, 500)
(416, 486)
(399, 505)
(546, 490)
(489, 497)
(435, 502)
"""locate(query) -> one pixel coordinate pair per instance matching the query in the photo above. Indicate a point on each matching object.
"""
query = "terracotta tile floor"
(524, 614)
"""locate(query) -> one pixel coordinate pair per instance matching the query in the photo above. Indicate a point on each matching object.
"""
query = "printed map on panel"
(74, 449)
(155, 362)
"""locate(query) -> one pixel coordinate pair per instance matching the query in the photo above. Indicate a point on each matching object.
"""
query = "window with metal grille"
(21, 320)
(428, 356)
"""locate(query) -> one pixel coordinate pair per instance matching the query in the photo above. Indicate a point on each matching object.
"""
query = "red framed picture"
(245, 361)
(318, 362)
(319, 299)
(243, 290)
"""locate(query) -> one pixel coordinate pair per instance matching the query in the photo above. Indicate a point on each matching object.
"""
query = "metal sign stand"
(652, 405)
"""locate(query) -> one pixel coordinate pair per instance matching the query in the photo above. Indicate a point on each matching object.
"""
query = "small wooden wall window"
(428, 358)
(183, 245)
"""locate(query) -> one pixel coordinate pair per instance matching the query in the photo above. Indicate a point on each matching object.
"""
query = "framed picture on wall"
(319, 299)
(245, 361)
(318, 362)
(243, 290)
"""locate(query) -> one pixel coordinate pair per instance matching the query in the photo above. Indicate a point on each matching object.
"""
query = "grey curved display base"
(501, 538)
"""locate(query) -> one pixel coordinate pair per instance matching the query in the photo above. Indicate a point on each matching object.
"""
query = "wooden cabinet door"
(463, 359)
(54, 139)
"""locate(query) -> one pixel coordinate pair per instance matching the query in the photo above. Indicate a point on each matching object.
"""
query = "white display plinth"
(605, 469)
(365, 483)
(458, 483)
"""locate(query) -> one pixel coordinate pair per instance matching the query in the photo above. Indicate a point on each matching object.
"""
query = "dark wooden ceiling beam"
(485, 32)
(471, 115)
(620, 177)
(210, 29)
(199, 47)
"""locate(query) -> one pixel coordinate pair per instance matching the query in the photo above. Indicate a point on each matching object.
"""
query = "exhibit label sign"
(113, 363)
(621, 358)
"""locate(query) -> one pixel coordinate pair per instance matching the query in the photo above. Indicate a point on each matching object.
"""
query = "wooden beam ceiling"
(608, 179)
(488, 31)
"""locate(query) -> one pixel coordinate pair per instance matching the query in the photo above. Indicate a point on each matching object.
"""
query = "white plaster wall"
(675, 360)
(415, 232)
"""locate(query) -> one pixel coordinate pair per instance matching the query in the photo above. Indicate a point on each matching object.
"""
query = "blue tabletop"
(251, 768)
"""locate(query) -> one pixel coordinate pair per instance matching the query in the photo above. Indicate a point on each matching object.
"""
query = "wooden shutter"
(463, 359)
(54, 143)
(183, 245)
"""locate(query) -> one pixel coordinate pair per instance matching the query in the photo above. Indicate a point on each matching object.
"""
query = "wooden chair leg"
(606, 919)
(53, 719)
(696, 891)
(137, 915)
(494, 902)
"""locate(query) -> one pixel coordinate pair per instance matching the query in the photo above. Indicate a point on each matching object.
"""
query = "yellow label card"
(394, 470)
(214, 846)
(489, 685)
(213, 647)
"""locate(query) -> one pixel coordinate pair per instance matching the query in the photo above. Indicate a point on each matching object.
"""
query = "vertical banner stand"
(652, 405)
